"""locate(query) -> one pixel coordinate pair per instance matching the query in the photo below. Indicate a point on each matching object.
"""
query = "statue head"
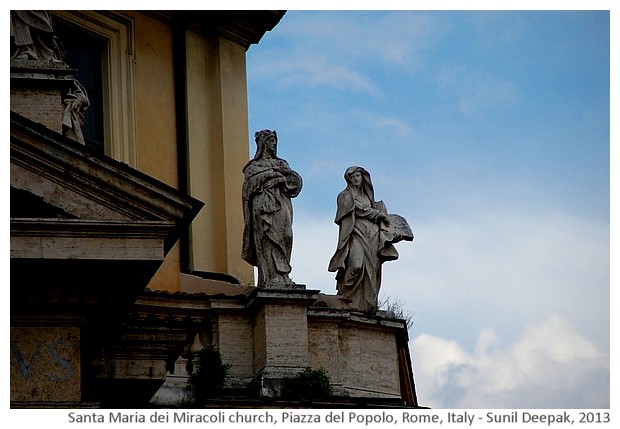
(266, 143)
(364, 176)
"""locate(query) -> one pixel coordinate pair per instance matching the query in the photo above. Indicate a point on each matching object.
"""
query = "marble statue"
(366, 238)
(33, 36)
(268, 188)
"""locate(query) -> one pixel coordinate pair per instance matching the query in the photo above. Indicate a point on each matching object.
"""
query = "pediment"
(63, 174)
(62, 193)
(24, 204)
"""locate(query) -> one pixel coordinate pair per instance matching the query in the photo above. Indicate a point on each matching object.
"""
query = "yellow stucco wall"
(156, 120)
(155, 100)
(236, 153)
(218, 151)
(217, 127)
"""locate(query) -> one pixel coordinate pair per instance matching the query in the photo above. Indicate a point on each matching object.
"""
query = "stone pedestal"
(269, 335)
(37, 88)
(280, 335)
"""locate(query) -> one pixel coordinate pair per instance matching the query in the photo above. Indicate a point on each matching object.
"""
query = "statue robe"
(268, 214)
(364, 244)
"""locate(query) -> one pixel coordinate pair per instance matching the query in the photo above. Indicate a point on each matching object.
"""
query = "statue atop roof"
(269, 186)
(366, 238)
(32, 36)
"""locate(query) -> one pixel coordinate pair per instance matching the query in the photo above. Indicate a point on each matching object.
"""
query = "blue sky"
(490, 132)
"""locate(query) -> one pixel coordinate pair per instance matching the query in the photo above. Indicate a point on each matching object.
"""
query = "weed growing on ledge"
(396, 306)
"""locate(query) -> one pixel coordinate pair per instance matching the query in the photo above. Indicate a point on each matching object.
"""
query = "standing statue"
(268, 212)
(33, 36)
(366, 238)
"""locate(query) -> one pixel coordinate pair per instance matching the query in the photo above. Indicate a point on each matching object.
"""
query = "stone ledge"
(83, 239)
(28, 70)
(281, 295)
(381, 318)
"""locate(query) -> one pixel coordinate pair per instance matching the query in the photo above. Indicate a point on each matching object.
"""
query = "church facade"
(127, 150)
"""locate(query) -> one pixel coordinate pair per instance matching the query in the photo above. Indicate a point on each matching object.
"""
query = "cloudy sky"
(490, 133)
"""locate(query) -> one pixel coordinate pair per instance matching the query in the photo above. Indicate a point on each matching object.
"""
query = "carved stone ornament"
(268, 188)
(74, 105)
(366, 238)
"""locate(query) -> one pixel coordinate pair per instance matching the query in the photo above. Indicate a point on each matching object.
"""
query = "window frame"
(118, 74)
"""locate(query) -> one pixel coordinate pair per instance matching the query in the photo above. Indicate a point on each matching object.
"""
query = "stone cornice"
(248, 27)
(78, 227)
(45, 71)
(244, 27)
(380, 318)
(84, 239)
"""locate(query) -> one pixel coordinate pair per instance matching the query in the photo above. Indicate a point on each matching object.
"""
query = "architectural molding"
(62, 173)
(95, 233)
(85, 239)
(241, 27)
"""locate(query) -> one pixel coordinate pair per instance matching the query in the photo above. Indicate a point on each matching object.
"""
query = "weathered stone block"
(286, 335)
(369, 357)
(236, 346)
(45, 364)
(40, 105)
(324, 348)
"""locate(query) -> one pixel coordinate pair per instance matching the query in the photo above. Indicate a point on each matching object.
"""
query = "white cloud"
(397, 37)
(342, 50)
(314, 243)
(313, 69)
(402, 38)
(504, 267)
(549, 366)
(476, 91)
(522, 295)
(382, 125)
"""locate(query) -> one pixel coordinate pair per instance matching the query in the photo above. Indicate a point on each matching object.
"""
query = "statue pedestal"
(37, 88)
(280, 335)
(270, 335)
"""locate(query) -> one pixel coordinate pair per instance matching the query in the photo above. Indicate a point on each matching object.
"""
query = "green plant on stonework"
(397, 307)
(207, 379)
(308, 384)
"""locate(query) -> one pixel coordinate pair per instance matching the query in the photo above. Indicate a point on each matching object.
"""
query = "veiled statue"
(268, 187)
(366, 238)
